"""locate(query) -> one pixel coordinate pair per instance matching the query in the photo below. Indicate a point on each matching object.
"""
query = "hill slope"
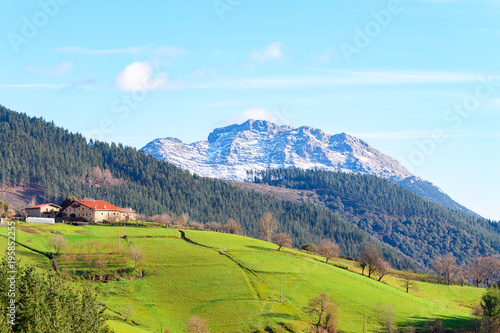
(419, 228)
(238, 289)
(232, 151)
(37, 154)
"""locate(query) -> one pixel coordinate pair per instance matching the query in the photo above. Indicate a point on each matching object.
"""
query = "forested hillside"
(38, 154)
(418, 227)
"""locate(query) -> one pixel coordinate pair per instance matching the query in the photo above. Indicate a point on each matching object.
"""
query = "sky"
(418, 80)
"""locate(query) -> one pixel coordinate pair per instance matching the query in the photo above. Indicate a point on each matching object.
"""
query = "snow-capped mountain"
(257, 145)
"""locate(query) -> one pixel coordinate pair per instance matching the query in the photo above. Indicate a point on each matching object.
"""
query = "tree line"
(417, 227)
(481, 271)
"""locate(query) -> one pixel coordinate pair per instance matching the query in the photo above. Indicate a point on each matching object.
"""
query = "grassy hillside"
(48, 163)
(232, 281)
(419, 228)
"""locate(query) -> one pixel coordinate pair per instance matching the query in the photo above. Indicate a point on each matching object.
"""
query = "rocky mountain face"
(232, 151)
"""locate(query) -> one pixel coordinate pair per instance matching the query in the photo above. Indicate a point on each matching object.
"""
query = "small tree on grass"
(233, 227)
(322, 308)
(382, 267)
(267, 226)
(408, 281)
(310, 247)
(282, 240)
(58, 243)
(135, 253)
(446, 267)
(362, 264)
(197, 325)
(328, 249)
(370, 256)
(387, 318)
(5, 208)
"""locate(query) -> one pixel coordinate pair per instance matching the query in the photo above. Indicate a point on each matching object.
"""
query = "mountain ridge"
(234, 151)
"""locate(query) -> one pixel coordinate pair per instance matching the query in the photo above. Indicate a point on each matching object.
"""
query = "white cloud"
(273, 51)
(139, 76)
(168, 51)
(255, 113)
(63, 68)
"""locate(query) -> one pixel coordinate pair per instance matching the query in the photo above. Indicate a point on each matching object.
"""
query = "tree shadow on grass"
(452, 324)
(260, 248)
(280, 315)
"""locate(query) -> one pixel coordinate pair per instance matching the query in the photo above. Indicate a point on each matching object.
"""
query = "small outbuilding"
(47, 210)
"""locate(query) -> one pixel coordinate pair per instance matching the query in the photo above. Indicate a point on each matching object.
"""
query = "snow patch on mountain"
(232, 151)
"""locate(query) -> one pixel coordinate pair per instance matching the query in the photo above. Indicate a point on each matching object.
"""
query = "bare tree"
(282, 240)
(233, 227)
(164, 219)
(58, 243)
(325, 310)
(196, 225)
(462, 274)
(215, 226)
(408, 281)
(135, 253)
(387, 318)
(197, 325)
(492, 266)
(182, 220)
(477, 270)
(445, 266)
(370, 256)
(267, 226)
(328, 249)
(382, 267)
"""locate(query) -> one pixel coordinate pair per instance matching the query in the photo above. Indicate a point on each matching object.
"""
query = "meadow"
(232, 281)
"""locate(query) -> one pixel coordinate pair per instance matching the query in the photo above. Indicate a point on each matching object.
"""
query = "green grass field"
(235, 283)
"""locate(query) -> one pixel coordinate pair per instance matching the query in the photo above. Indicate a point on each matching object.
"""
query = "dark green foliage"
(37, 153)
(419, 228)
(45, 303)
(490, 303)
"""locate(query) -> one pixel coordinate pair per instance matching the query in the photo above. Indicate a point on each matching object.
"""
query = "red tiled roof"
(98, 204)
(45, 204)
(127, 210)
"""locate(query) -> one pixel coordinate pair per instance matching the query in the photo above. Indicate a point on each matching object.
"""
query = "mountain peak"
(232, 151)
(253, 125)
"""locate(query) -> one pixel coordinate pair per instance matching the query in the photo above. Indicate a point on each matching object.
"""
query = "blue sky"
(418, 80)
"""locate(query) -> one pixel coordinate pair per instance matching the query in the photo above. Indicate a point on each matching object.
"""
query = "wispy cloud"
(340, 78)
(34, 85)
(61, 69)
(322, 57)
(411, 135)
(255, 113)
(168, 51)
(273, 51)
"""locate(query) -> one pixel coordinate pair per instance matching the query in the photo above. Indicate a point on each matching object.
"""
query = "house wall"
(107, 215)
(79, 211)
(41, 211)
